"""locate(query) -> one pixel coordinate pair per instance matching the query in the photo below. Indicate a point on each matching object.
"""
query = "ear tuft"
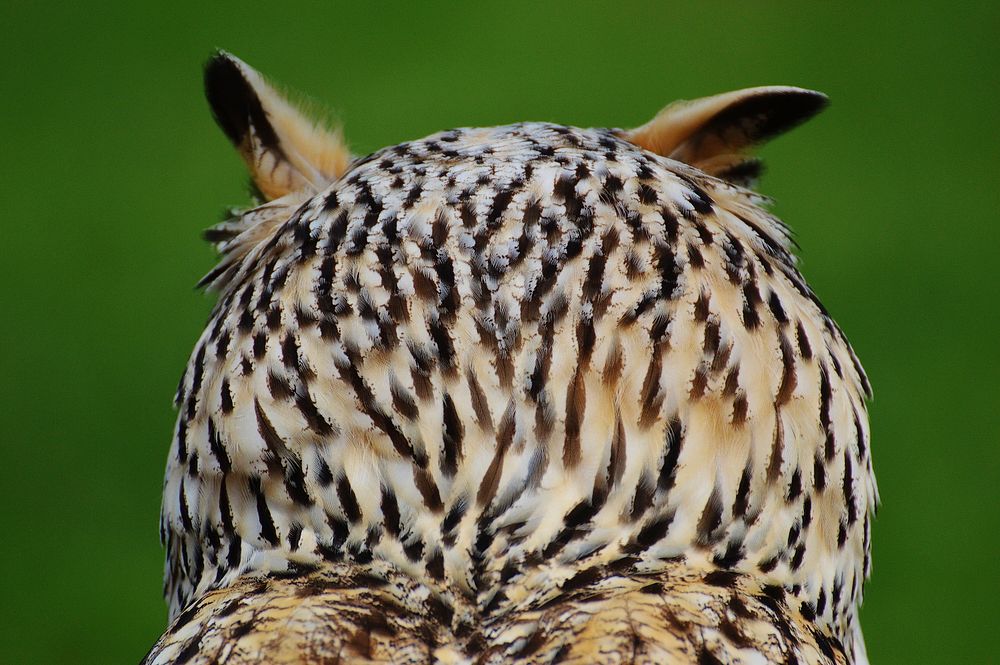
(284, 150)
(235, 104)
(715, 133)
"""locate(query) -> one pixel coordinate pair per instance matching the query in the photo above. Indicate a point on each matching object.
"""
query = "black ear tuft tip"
(771, 111)
(789, 109)
(810, 102)
(234, 100)
(228, 94)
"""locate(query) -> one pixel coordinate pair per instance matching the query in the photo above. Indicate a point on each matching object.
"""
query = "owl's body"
(530, 393)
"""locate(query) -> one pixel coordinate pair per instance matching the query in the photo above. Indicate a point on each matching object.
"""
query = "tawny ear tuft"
(715, 133)
(284, 150)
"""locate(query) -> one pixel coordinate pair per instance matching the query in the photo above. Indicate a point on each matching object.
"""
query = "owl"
(531, 393)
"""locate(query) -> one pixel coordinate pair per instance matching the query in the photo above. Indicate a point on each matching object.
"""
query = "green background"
(110, 166)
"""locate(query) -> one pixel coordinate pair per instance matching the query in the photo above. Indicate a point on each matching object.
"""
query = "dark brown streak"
(428, 489)
(650, 395)
(711, 518)
(576, 403)
(452, 435)
(218, 448)
(619, 448)
(348, 500)
(788, 377)
(505, 436)
(310, 412)
(480, 405)
(674, 439)
(402, 401)
(613, 364)
(283, 461)
(699, 383)
(777, 449)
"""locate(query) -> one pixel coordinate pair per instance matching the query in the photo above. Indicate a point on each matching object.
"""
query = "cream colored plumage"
(532, 393)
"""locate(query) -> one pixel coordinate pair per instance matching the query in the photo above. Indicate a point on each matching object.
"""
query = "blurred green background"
(111, 166)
